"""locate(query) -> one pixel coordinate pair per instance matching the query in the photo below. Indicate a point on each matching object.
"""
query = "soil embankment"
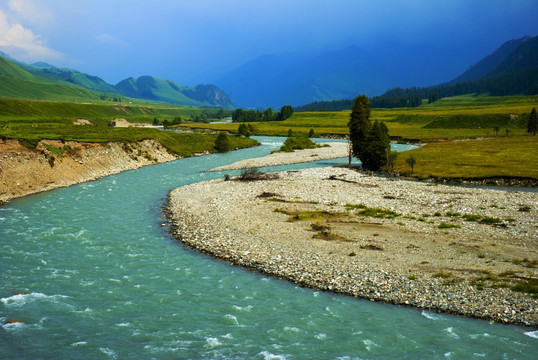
(452, 249)
(56, 164)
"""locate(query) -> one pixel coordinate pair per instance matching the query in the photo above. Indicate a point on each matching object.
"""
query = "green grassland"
(458, 117)
(468, 159)
(18, 109)
(31, 121)
(30, 132)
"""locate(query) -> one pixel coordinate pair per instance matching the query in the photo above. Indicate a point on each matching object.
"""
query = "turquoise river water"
(88, 272)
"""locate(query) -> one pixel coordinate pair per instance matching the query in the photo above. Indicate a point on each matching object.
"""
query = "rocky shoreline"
(305, 227)
(332, 150)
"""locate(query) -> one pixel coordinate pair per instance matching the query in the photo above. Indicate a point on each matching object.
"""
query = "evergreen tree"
(377, 149)
(285, 112)
(243, 130)
(222, 143)
(532, 123)
(359, 125)
(268, 115)
(370, 143)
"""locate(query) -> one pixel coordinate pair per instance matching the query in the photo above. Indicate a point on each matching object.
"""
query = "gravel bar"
(331, 150)
(463, 267)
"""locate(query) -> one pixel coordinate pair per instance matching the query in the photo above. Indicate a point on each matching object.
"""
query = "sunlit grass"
(510, 156)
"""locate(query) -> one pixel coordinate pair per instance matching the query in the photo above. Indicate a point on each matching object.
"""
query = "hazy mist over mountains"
(300, 78)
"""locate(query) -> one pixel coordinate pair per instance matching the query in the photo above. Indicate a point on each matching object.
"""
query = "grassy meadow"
(459, 117)
(31, 121)
(514, 156)
(508, 152)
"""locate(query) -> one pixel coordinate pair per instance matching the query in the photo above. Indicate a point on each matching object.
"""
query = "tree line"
(240, 115)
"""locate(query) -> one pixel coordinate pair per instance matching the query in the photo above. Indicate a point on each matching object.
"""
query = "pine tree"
(532, 123)
(359, 125)
(377, 148)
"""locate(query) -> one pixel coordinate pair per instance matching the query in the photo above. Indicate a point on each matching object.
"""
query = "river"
(89, 272)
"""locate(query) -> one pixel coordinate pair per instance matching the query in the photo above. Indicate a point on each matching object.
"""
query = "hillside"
(149, 87)
(510, 70)
(43, 81)
(490, 62)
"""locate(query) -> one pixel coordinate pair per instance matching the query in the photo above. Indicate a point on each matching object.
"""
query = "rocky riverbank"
(456, 250)
(54, 164)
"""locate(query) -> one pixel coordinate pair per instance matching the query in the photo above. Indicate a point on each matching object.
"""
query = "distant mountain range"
(299, 78)
(276, 80)
(510, 70)
(44, 81)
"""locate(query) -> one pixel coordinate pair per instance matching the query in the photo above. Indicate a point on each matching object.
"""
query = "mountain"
(44, 81)
(280, 79)
(490, 62)
(510, 70)
(149, 87)
(297, 78)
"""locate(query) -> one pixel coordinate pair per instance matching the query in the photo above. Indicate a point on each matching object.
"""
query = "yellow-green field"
(500, 157)
(408, 123)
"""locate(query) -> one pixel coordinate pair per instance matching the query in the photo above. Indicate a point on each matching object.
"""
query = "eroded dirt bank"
(54, 164)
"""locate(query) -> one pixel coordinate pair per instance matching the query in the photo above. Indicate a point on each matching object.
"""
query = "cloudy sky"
(196, 41)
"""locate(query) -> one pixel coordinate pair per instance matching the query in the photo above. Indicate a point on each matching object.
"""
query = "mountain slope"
(523, 58)
(511, 73)
(299, 78)
(69, 76)
(10, 69)
(149, 87)
(47, 82)
(276, 80)
(490, 62)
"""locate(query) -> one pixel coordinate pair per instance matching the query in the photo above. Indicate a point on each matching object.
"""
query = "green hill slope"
(46, 82)
(149, 87)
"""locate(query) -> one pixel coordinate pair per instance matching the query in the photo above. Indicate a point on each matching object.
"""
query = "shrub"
(222, 143)
(297, 142)
(471, 217)
(444, 225)
(253, 174)
(490, 220)
(442, 275)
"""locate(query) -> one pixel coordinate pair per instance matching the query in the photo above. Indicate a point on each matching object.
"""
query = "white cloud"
(30, 11)
(21, 42)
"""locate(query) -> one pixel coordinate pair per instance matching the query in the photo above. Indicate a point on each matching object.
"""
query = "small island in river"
(458, 250)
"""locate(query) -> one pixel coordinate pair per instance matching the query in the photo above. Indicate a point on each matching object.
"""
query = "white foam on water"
(15, 326)
(212, 342)
(21, 299)
(246, 308)
(532, 334)
(268, 356)
(321, 336)
(369, 344)
(429, 315)
(231, 319)
(126, 324)
(448, 355)
(107, 351)
(79, 343)
(451, 333)
(227, 336)
(291, 328)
